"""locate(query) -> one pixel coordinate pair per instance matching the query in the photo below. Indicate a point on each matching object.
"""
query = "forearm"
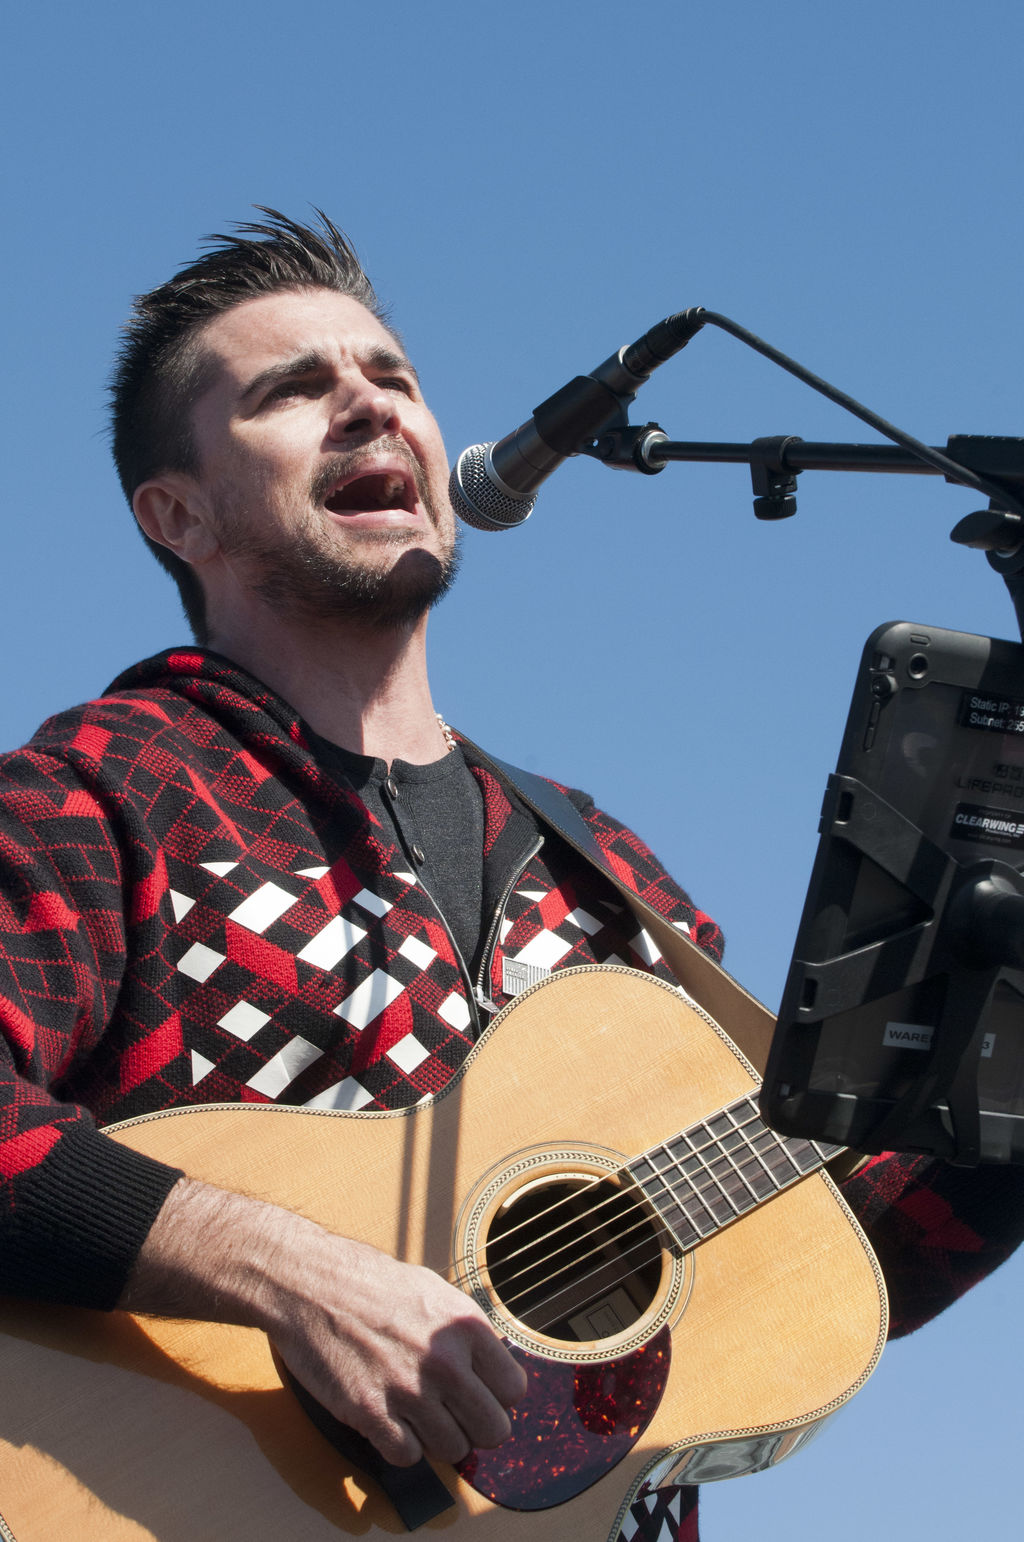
(389, 1348)
(218, 1257)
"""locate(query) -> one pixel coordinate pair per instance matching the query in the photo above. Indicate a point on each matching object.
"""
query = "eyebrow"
(313, 362)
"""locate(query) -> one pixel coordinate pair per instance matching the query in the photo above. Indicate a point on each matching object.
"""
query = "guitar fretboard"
(705, 1177)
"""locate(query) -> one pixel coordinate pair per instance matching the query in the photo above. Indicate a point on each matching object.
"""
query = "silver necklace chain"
(449, 737)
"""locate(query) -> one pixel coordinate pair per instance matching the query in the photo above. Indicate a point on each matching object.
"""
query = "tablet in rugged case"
(902, 1021)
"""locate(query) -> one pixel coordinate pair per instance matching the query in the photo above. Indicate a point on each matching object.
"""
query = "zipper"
(477, 998)
(480, 996)
(472, 1000)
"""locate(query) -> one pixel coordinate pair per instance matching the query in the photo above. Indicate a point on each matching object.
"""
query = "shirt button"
(419, 856)
(391, 787)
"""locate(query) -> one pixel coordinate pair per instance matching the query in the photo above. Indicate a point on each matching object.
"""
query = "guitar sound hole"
(574, 1258)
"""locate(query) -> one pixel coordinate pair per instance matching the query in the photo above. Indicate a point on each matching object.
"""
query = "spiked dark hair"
(159, 370)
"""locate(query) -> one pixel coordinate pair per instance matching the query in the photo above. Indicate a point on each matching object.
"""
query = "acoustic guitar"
(688, 1293)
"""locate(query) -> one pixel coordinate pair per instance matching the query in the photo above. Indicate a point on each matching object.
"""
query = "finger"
(395, 1439)
(498, 1370)
(474, 1404)
(452, 1392)
(481, 1416)
(441, 1434)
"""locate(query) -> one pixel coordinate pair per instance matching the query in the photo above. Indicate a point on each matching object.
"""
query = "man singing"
(262, 869)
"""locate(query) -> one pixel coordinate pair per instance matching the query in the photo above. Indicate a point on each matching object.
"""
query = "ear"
(171, 512)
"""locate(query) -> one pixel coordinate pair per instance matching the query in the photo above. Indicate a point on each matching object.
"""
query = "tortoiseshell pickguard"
(574, 1424)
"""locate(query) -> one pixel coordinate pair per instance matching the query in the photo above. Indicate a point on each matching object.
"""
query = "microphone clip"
(630, 447)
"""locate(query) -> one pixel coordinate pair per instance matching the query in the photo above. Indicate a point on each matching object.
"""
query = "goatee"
(310, 583)
(385, 579)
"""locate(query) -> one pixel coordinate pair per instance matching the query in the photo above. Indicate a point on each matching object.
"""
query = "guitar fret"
(755, 1180)
(663, 1200)
(770, 1151)
(713, 1191)
(761, 1139)
(703, 1178)
(720, 1201)
(775, 1159)
(736, 1141)
(692, 1195)
(700, 1187)
(780, 1159)
(804, 1156)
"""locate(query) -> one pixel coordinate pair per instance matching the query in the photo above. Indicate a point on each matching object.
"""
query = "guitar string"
(748, 1183)
(740, 1185)
(601, 1270)
(568, 1206)
(609, 1283)
(695, 1189)
(648, 1255)
(644, 1223)
(601, 1265)
(740, 1191)
(695, 1153)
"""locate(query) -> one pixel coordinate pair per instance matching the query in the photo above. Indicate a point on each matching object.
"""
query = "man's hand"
(388, 1348)
(397, 1353)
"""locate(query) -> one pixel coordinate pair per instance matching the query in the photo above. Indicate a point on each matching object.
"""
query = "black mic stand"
(990, 464)
(980, 460)
(976, 925)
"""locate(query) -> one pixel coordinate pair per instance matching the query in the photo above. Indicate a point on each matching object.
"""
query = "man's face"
(320, 466)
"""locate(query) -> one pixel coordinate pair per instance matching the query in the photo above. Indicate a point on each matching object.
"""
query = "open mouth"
(378, 490)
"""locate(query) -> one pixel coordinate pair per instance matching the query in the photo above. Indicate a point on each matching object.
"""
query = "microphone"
(493, 486)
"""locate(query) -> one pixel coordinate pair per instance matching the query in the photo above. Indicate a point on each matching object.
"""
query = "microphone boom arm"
(493, 486)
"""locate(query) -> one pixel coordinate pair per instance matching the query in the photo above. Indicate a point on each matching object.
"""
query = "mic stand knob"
(773, 482)
(630, 447)
(996, 531)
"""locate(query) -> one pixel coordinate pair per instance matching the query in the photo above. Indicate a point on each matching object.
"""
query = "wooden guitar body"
(646, 1354)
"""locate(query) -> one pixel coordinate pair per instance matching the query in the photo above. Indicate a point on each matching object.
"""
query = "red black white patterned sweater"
(192, 910)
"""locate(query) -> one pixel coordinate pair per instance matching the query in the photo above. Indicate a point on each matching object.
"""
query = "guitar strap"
(750, 1025)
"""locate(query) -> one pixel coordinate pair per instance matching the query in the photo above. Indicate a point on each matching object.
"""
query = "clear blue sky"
(532, 185)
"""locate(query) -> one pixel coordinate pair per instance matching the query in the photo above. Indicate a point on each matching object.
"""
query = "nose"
(365, 411)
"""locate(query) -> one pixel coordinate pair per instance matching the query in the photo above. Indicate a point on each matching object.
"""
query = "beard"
(389, 584)
(380, 578)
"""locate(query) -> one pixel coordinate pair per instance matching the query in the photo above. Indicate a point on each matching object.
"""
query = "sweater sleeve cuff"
(81, 1218)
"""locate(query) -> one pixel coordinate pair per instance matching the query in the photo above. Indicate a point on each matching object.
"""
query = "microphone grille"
(477, 498)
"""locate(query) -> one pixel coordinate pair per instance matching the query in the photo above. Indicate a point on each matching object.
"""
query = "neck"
(362, 688)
